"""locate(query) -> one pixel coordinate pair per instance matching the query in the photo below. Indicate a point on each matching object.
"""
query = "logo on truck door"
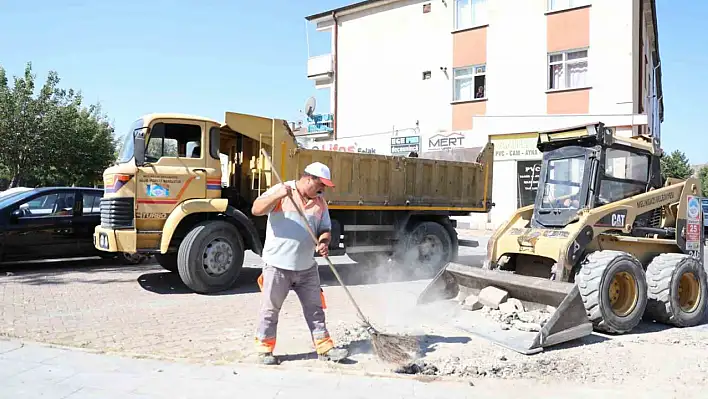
(156, 190)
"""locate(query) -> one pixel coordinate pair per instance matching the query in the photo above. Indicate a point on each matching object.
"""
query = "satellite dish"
(310, 106)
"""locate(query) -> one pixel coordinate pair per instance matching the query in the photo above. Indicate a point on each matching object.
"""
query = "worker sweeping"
(289, 263)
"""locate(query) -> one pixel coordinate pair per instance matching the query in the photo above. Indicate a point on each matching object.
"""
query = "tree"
(675, 165)
(50, 138)
(703, 177)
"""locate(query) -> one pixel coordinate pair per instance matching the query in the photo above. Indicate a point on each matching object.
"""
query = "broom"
(388, 347)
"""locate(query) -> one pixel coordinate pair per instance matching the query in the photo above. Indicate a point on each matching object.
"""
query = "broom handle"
(314, 238)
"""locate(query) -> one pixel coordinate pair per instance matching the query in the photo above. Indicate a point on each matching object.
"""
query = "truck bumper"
(110, 240)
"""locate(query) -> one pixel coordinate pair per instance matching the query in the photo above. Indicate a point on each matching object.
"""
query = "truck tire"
(613, 287)
(210, 257)
(168, 261)
(677, 290)
(428, 248)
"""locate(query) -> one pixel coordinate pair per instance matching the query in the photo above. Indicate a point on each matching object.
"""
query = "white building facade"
(441, 75)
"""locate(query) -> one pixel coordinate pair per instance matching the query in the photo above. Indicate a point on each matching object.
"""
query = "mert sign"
(444, 141)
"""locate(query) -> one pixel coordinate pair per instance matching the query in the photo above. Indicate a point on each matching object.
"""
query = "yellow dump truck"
(184, 185)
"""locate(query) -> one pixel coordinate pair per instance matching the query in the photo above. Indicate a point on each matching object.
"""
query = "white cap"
(320, 170)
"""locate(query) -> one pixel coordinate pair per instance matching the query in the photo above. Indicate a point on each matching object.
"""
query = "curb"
(243, 365)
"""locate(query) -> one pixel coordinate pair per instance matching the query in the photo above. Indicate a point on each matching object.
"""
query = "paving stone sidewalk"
(29, 370)
(32, 371)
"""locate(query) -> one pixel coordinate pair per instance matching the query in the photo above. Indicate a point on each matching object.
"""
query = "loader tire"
(167, 261)
(428, 247)
(677, 290)
(210, 257)
(613, 287)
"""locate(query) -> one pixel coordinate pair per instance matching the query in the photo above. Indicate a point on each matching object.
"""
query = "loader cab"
(588, 167)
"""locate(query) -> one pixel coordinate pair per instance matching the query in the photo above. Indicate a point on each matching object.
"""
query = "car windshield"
(8, 197)
(562, 184)
(127, 149)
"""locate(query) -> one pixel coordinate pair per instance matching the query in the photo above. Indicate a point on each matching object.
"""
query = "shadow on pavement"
(310, 356)
(591, 339)
(166, 283)
(427, 344)
(66, 271)
(353, 274)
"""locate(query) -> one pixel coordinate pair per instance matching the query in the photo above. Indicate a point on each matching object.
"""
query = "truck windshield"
(561, 188)
(127, 149)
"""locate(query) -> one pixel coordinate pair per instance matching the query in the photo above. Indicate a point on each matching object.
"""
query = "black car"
(51, 223)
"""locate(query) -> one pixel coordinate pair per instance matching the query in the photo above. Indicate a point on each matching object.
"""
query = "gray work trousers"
(276, 286)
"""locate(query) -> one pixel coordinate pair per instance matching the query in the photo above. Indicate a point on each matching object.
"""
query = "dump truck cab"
(168, 180)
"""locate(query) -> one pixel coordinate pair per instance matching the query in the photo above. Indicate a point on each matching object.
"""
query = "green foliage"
(675, 165)
(703, 176)
(49, 137)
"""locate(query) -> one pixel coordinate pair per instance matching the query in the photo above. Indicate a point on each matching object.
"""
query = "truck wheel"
(210, 257)
(428, 248)
(168, 261)
(677, 290)
(613, 287)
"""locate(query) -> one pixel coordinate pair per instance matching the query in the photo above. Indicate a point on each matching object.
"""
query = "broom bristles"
(397, 349)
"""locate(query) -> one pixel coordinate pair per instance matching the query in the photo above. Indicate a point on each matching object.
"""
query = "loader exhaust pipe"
(568, 322)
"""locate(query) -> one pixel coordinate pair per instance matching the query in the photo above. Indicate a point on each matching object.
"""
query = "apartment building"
(441, 77)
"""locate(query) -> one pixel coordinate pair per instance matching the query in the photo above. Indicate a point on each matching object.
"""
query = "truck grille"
(117, 213)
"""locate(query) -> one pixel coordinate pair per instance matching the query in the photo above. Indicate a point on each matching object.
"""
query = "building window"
(470, 13)
(470, 83)
(555, 5)
(567, 70)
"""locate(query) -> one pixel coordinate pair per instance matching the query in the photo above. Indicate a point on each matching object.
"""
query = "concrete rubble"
(495, 304)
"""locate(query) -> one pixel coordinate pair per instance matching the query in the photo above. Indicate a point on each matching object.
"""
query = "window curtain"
(577, 73)
(464, 88)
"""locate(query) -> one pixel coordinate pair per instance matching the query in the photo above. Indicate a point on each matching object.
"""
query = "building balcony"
(320, 69)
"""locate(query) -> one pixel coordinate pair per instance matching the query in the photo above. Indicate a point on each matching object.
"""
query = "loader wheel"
(613, 287)
(428, 248)
(677, 290)
(210, 257)
(167, 261)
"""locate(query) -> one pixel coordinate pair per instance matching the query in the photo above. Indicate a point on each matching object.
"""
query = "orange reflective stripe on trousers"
(265, 346)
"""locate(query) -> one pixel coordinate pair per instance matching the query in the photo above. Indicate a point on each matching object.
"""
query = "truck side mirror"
(139, 147)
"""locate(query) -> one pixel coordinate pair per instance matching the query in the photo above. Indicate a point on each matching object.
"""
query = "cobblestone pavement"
(145, 311)
(32, 371)
(148, 311)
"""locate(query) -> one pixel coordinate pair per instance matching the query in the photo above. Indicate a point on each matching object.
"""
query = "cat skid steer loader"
(606, 244)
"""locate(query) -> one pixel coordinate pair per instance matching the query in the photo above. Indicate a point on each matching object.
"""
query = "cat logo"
(527, 242)
(618, 219)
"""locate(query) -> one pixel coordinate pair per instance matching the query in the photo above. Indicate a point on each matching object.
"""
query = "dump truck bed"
(363, 181)
(372, 180)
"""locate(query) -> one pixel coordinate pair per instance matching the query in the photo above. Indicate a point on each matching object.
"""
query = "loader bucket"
(568, 322)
